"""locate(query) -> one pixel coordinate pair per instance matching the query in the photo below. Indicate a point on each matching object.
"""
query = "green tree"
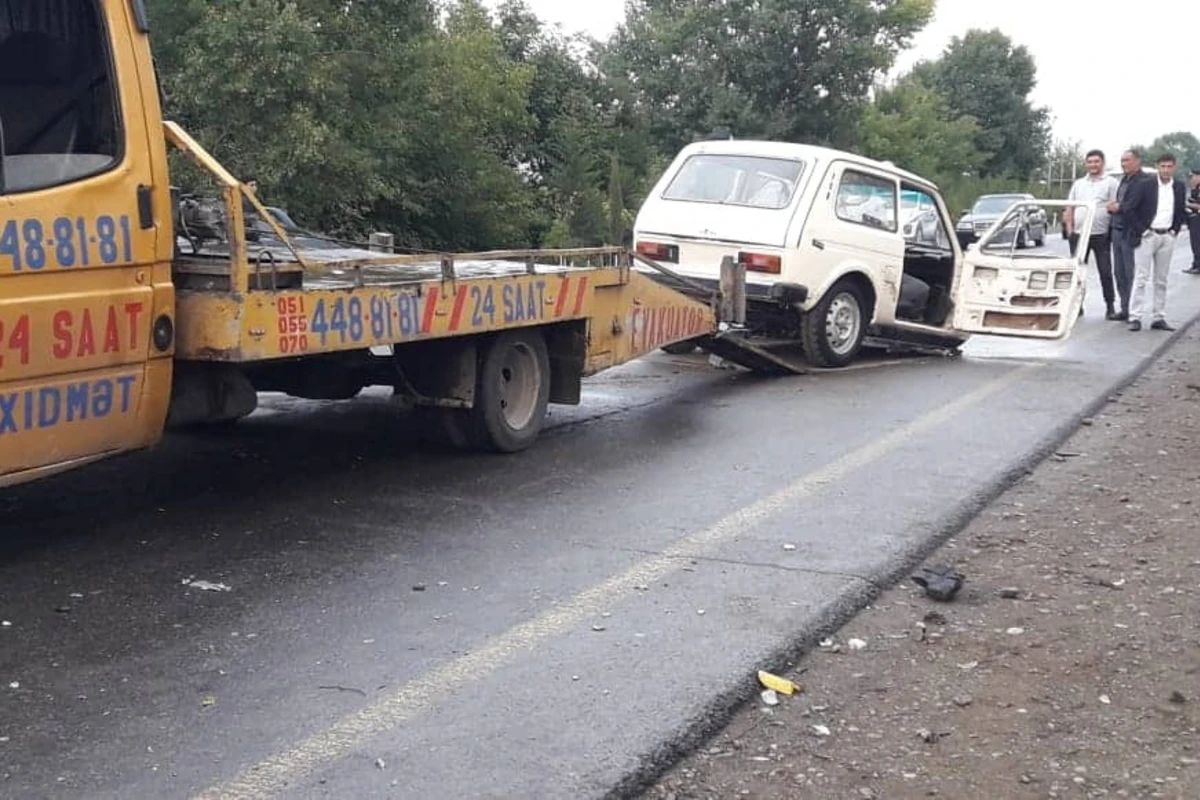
(779, 69)
(913, 126)
(1181, 144)
(985, 76)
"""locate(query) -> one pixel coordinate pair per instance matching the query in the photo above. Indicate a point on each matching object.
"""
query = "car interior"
(928, 274)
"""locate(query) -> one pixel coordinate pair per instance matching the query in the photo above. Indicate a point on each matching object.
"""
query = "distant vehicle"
(925, 227)
(990, 207)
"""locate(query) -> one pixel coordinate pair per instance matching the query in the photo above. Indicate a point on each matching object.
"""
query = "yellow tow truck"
(111, 330)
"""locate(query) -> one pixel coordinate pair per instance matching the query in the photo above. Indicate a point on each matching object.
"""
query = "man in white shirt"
(1153, 257)
(1096, 189)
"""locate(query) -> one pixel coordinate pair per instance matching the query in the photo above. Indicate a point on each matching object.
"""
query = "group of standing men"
(1133, 235)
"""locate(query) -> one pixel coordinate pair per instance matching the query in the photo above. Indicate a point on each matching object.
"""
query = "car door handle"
(817, 243)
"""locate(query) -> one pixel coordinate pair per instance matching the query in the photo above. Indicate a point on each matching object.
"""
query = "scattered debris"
(5, 624)
(778, 684)
(1177, 698)
(1105, 699)
(821, 730)
(940, 582)
(1116, 586)
(1010, 593)
(700, 611)
(335, 688)
(789, 547)
(14, 685)
(856, 644)
(208, 701)
(963, 700)
(934, 618)
(206, 586)
(599, 628)
(770, 697)
(1015, 631)
(930, 737)
(418, 587)
(380, 764)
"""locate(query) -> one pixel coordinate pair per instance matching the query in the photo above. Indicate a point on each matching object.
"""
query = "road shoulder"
(1068, 665)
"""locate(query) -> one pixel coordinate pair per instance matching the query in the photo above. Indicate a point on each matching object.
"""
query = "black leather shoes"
(1135, 326)
(1160, 325)
(1120, 317)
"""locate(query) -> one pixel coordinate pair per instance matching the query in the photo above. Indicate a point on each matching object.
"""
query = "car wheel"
(832, 333)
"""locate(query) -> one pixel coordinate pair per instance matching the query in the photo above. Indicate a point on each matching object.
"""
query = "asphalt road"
(408, 623)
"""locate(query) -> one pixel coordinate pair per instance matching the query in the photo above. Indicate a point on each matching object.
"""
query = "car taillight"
(659, 251)
(761, 262)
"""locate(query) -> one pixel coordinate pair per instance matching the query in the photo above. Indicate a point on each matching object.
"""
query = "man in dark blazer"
(1193, 219)
(1157, 247)
(1132, 212)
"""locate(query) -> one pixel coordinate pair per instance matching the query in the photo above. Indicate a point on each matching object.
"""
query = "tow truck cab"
(86, 298)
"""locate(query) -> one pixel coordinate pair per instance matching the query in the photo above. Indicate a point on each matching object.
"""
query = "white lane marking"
(277, 772)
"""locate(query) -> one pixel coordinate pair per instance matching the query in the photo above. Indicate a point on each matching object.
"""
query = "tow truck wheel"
(832, 333)
(511, 395)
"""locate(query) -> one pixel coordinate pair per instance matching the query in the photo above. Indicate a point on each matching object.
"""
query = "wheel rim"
(520, 383)
(843, 322)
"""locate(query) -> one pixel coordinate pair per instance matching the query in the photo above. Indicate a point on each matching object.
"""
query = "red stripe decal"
(430, 307)
(561, 301)
(579, 295)
(460, 298)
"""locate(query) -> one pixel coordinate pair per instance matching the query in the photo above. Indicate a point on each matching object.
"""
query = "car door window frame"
(876, 180)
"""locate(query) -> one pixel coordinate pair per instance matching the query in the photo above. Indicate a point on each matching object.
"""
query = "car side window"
(867, 200)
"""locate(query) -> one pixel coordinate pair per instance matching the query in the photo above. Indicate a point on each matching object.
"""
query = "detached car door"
(1031, 294)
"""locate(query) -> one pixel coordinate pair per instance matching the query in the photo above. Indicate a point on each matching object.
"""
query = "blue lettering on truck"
(51, 406)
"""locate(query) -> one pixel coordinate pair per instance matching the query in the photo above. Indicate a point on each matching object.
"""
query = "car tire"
(832, 332)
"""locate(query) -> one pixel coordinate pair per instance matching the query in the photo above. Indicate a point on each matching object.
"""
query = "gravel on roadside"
(1067, 666)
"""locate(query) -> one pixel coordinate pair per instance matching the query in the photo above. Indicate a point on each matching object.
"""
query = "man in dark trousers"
(1193, 220)
(1096, 189)
(1132, 211)
(1153, 255)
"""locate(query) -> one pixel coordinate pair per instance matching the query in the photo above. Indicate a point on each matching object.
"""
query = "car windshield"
(737, 180)
(994, 206)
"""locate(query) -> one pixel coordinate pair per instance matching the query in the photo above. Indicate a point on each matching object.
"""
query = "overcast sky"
(1109, 80)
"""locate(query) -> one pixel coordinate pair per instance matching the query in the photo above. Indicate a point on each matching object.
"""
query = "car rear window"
(997, 204)
(753, 181)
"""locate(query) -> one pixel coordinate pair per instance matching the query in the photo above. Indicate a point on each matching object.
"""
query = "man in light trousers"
(1152, 259)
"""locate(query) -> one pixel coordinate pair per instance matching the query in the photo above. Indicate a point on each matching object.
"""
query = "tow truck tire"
(832, 333)
(512, 392)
